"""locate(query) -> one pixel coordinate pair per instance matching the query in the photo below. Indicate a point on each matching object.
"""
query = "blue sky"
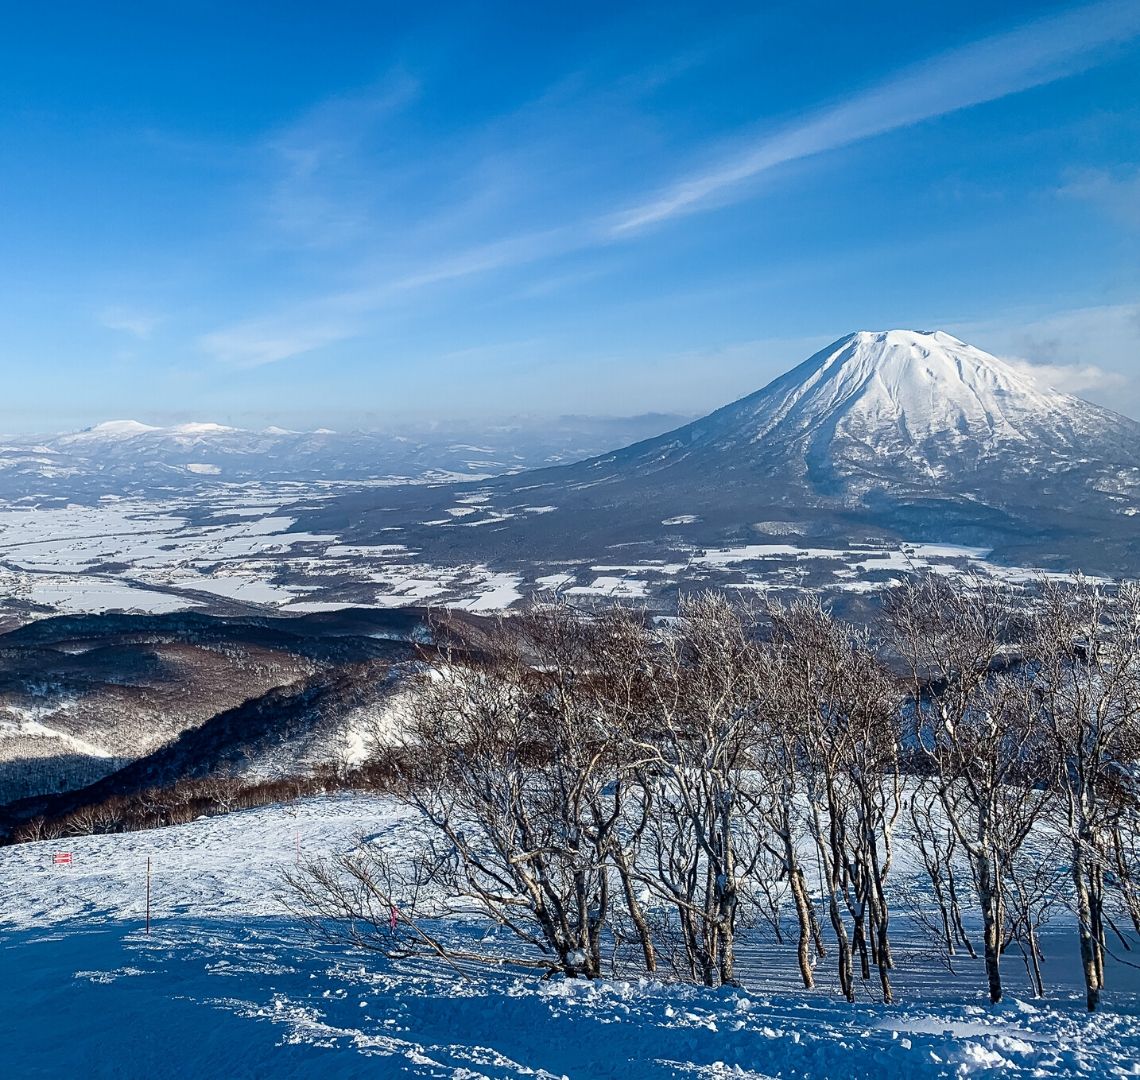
(359, 214)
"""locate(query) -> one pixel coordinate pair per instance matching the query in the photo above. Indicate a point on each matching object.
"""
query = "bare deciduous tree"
(1085, 656)
(620, 793)
(968, 722)
(841, 703)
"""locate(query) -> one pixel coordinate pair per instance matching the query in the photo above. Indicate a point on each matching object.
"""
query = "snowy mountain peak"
(909, 430)
(115, 429)
(908, 388)
(916, 385)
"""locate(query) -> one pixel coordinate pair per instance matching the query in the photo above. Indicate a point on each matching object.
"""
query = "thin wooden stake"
(148, 894)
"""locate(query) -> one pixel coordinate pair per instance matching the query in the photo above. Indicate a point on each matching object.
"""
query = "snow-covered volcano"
(898, 406)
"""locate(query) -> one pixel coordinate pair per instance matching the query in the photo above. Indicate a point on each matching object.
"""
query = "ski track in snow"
(226, 985)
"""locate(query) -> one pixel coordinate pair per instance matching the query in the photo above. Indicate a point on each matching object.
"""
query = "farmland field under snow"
(225, 985)
(245, 549)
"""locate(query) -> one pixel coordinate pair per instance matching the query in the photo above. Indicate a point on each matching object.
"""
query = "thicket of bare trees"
(189, 799)
(626, 794)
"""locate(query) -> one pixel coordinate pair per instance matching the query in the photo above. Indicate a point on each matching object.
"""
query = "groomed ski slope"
(226, 986)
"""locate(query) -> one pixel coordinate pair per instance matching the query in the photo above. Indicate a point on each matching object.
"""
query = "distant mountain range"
(126, 457)
(894, 434)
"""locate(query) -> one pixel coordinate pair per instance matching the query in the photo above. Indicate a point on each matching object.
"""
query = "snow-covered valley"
(245, 549)
(885, 452)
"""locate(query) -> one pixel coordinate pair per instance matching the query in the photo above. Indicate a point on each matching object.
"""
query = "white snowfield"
(162, 556)
(161, 560)
(227, 986)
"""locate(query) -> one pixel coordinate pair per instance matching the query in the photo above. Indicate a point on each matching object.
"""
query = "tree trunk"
(843, 947)
(1035, 960)
(991, 925)
(1086, 929)
(805, 917)
(956, 913)
(635, 913)
(859, 935)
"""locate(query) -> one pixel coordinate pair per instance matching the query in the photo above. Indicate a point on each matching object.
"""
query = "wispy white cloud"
(127, 320)
(1117, 192)
(318, 194)
(265, 341)
(986, 70)
(466, 233)
(342, 315)
(484, 258)
(1089, 351)
(1070, 378)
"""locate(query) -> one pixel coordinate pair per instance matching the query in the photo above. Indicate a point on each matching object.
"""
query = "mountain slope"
(82, 697)
(324, 719)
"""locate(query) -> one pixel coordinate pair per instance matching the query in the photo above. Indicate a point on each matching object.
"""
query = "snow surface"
(932, 381)
(201, 428)
(78, 597)
(555, 581)
(499, 591)
(22, 723)
(225, 986)
(607, 585)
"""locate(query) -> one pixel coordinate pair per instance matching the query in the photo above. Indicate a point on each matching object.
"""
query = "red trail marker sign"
(61, 858)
